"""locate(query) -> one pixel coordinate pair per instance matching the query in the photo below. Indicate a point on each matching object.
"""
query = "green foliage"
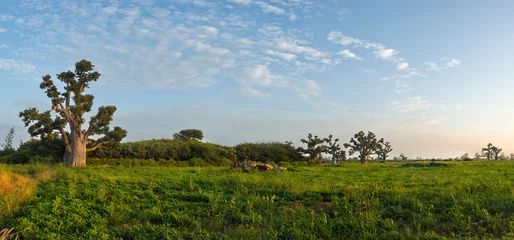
(167, 149)
(267, 152)
(491, 151)
(70, 106)
(7, 145)
(383, 149)
(314, 147)
(471, 200)
(189, 134)
(364, 144)
(334, 149)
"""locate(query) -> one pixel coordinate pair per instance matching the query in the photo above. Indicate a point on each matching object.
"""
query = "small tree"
(334, 149)
(70, 106)
(465, 156)
(403, 157)
(314, 147)
(189, 134)
(364, 144)
(383, 149)
(7, 145)
(488, 151)
(478, 156)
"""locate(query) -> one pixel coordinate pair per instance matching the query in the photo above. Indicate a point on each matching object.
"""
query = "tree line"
(61, 133)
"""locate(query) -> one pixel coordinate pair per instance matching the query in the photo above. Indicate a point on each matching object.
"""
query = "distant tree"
(189, 134)
(403, 157)
(488, 151)
(290, 143)
(465, 156)
(478, 156)
(365, 144)
(70, 106)
(314, 147)
(503, 157)
(7, 145)
(512, 156)
(497, 152)
(383, 149)
(334, 149)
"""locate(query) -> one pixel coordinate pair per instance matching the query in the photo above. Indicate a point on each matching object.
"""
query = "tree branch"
(98, 145)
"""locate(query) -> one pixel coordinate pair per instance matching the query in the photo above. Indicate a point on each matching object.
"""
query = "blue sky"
(435, 78)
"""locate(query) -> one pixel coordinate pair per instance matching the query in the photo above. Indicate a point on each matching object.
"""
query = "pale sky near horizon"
(435, 78)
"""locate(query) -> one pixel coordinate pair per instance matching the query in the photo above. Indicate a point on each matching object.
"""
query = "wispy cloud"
(418, 104)
(267, 8)
(378, 50)
(16, 67)
(444, 63)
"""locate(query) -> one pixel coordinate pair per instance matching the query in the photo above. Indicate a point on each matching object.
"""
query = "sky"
(434, 78)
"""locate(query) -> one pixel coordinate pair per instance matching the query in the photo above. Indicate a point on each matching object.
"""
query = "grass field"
(465, 200)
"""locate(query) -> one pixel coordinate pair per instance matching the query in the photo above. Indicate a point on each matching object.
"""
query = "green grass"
(467, 200)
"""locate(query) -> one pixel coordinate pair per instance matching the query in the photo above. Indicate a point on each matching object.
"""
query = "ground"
(352, 201)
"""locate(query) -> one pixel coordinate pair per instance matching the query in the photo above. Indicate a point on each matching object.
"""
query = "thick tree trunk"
(334, 160)
(68, 156)
(383, 160)
(364, 160)
(78, 158)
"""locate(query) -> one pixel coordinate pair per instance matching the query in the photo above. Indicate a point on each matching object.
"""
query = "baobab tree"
(365, 144)
(490, 152)
(69, 107)
(314, 147)
(383, 149)
(334, 149)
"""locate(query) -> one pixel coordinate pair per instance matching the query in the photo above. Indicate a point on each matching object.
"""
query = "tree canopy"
(70, 106)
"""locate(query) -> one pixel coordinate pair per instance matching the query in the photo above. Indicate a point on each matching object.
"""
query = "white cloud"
(16, 66)
(267, 8)
(244, 2)
(402, 66)
(347, 54)
(292, 46)
(418, 104)
(285, 56)
(261, 75)
(293, 17)
(432, 66)
(252, 92)
(385, 54)
(451, 62)
(3, 30)
(447, 63)
(309, 88)
(211, 30)
(379, 50)
(110, 9)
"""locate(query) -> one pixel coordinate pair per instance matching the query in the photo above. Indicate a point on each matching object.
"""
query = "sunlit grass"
(466, 200)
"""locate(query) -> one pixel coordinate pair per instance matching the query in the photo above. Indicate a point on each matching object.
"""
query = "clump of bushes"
(428, 164)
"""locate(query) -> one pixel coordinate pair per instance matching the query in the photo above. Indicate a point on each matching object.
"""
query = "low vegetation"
(348, 201)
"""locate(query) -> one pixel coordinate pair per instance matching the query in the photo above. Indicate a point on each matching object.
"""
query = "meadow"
(430, 200)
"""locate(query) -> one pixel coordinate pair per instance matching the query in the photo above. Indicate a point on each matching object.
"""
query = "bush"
(197, 162)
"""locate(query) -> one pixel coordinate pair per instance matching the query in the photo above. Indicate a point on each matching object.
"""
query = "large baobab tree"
(69, 107)
(365, 144)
